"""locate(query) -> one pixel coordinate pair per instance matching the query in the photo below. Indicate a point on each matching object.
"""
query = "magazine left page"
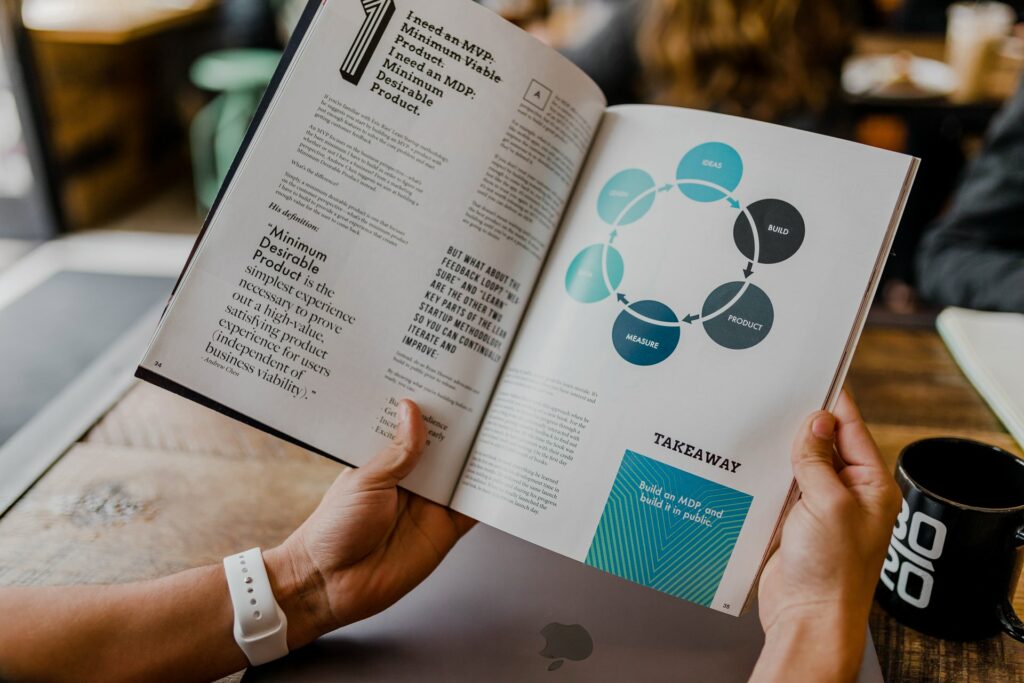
(382, 230)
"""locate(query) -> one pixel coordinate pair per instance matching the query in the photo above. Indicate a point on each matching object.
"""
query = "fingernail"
(403, 413)
(824, 426)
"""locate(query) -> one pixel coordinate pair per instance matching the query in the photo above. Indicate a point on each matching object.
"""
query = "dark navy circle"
(645, 343)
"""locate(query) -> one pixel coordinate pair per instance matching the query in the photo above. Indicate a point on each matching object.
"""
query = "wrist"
(819, 642)
(300, 591)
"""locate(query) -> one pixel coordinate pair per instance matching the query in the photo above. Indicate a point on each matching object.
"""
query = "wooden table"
(909, 388)
(160, 485)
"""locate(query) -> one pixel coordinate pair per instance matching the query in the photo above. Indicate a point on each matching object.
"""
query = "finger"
(812, 458)
(396, 460)
(855, 443)
(869, 478)
(837, 461)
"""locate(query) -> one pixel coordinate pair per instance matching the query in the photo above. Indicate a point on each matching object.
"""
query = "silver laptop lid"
(501, 609)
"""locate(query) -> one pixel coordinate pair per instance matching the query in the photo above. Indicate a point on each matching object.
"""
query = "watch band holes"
(257, 614)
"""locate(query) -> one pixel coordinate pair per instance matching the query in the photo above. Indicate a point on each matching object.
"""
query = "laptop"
(75, 317)
(501, 609)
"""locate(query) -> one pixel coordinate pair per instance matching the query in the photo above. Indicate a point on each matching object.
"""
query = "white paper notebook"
(989, 347)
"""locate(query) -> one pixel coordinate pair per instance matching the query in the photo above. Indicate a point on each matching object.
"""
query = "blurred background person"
(974, 255)
(772, 60)
(940, 140)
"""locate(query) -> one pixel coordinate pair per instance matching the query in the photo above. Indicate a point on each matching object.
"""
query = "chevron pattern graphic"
(653, 532)
(377, 15)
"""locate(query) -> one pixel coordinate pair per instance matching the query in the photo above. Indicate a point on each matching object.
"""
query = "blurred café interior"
(123, 116)
(126, 115)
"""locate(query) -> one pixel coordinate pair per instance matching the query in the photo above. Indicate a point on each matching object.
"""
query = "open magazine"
(614, 319)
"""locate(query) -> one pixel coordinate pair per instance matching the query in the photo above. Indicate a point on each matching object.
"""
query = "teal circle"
(712, 162)
(746, 323)
(621, 191)
(643, 343)
(584, 281)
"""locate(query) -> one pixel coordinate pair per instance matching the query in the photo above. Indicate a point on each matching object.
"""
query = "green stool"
(217, 131)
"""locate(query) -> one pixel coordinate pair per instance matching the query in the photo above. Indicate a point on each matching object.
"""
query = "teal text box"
(668, 529)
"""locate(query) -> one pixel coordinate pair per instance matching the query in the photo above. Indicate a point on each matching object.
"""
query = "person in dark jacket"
(974, 255)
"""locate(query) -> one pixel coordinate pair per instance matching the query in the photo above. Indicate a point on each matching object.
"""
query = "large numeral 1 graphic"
(378, 14)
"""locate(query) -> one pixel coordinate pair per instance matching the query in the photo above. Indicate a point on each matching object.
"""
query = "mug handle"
(1012, 624)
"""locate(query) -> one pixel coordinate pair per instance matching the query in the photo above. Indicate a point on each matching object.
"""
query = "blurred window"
(26, 204)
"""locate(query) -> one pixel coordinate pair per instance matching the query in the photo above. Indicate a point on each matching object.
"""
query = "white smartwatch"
(261, 628)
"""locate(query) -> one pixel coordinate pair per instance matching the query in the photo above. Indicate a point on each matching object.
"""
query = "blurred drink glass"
(975, 32)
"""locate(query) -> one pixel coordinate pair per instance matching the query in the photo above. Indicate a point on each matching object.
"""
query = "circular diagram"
(736, 315)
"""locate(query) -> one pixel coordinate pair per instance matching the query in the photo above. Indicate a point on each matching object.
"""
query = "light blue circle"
(621, 191)
(584, 281)
(640, 342)
(713, 162)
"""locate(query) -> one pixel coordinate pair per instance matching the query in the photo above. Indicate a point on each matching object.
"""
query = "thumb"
(396, 460)
(813, 457)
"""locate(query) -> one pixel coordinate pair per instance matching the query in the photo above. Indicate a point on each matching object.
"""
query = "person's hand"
(367, 544)
(816, 589)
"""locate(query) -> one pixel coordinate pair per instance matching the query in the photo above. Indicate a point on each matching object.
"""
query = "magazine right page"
(708, 278)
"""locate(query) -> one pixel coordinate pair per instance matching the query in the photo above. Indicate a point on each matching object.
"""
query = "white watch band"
(261, 628)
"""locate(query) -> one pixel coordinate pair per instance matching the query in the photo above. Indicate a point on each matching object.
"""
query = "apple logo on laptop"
(562, 642)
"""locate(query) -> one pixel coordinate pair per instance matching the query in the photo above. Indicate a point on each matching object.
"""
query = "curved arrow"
(626, 305)
(753, 232)
(689, 319)
(727, 195)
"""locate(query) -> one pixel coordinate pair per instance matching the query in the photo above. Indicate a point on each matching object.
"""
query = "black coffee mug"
(953, 559)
